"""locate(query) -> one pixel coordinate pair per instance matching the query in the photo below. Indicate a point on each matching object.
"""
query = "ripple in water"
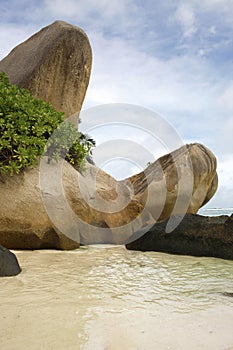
(100, 289)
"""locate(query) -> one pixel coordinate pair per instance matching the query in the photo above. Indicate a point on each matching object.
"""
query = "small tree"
(30, 127)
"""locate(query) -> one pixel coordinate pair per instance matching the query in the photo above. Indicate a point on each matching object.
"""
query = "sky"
(172, 57)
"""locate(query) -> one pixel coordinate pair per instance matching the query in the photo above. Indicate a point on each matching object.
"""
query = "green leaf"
(28, 126)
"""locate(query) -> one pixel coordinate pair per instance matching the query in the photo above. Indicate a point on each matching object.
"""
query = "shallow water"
(105, 298)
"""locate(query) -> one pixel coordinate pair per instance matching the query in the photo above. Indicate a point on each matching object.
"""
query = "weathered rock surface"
(54, 64)
(179, 182)
(55, 206)
(9, 265)
(196, 235)
(24, 223)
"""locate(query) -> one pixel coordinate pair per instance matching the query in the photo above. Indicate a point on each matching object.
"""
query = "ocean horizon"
(215, 211)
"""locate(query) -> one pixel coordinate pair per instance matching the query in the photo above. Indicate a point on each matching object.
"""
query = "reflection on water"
(105, 297)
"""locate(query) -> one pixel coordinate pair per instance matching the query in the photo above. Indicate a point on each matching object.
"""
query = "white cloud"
(221, 10)
(212, 30)
(225, 170)
(185, 16)
(91, 12)
(224, 140)
(224, 195)
(121, 73)
(226, 99)
(222, 5)
(12, 35)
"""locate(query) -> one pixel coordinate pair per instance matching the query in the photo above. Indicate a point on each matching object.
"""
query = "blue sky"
(172, 57)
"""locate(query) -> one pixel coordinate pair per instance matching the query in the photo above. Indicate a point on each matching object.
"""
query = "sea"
(104, 297)
(215, 211)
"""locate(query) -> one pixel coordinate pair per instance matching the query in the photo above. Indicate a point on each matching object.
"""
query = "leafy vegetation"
(30, 127)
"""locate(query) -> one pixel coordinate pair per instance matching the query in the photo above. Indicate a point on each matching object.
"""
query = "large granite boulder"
(195, 235)
(54, 64)
(179, 182)
(9, 265)
(24, 223)
(55, 206)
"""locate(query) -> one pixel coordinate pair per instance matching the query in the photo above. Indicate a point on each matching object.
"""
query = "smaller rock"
(9, 265)
(195, 235)
(227, 294)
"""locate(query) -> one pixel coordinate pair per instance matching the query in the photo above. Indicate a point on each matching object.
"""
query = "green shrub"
(30, 127)
(67, 142)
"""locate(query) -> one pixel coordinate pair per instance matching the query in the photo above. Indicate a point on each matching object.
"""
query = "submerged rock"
(227, 294)
(195, 235)
(55, 206)
(9, 265)
(54, 64)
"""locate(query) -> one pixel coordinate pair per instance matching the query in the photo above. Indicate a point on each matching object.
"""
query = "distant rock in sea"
(195, 235)
(9, 265)
(54, 64)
